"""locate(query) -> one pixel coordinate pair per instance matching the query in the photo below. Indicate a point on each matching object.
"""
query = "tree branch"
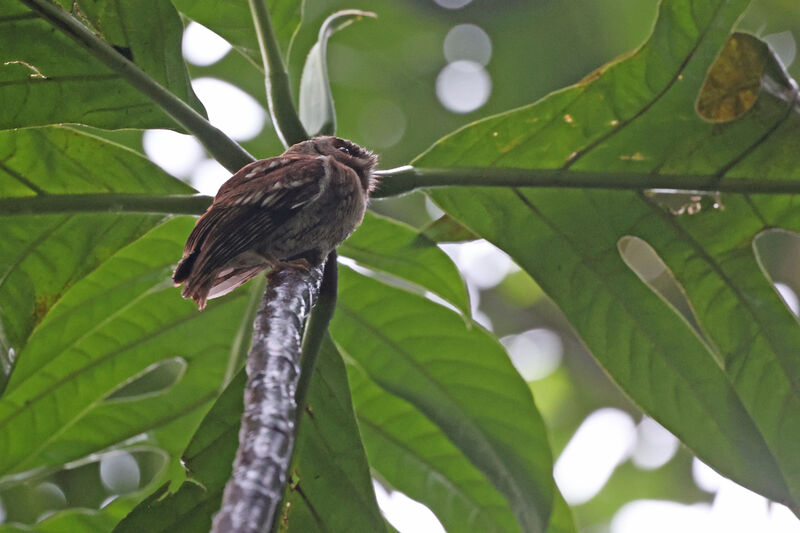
(317, 326)
(279, 94)
(178, 204)
(402, 180)
(406, 179)
(224, 149)
(266, 436)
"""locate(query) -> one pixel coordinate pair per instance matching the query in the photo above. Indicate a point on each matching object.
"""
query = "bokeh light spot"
(202, 46)
(209, 176)
(452, 4)
(784, 46)
(469, 42)
(706, 477)
(174, 152)
(481, 263)
(119, 472)
(602, 442)
(382, 122)
(655, 446)
(406, 515)
(48, 497)
(789, 296)
(661, 517)
(230, 109)
(463, 86)
(535, 353)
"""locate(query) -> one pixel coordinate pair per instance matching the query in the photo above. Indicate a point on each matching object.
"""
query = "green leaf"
(231, 19)
(457, 376)
(561, 520)
(208, 459)
(42, 256)
(732, 394)
(389, 246)
(46, 78)
(331, 490)
(109, 328)
(415, 457)
(447, 229)
(316, 108)
(331, 477)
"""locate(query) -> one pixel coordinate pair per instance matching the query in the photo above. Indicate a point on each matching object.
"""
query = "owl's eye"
(345, 149)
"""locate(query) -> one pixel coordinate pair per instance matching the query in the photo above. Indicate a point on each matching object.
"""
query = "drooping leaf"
(231, 19)
(330, 473)
(388, 246)
(734, 400)
(415, 457)
(47, 78)
(458, 377)
(316, 108)
(42, 256)
(331, 488)
(110, 327)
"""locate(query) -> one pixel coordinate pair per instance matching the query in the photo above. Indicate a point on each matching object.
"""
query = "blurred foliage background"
(385, 74)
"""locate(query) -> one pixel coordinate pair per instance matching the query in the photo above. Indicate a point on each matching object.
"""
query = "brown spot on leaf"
(43, 304)
(734, 79)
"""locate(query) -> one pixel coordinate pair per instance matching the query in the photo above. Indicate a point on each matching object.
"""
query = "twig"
(224, 149)
(279, 94)
(266, 436)
(401, 180)
(177, 204)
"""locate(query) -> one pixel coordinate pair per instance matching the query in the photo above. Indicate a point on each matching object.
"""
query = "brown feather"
(301, 204)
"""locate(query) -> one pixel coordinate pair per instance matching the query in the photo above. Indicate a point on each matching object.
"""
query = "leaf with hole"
(729, 391)
(459, 377)
(47, 78)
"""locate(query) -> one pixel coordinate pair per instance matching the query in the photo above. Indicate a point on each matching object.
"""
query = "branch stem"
(266, 437)
(179, 204)
(225, 150)
(279, 94)
(402, 180)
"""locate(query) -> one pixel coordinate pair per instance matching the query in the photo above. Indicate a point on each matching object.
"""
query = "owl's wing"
(257, 201)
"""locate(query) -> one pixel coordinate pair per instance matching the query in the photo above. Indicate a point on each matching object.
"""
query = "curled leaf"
(317, 112)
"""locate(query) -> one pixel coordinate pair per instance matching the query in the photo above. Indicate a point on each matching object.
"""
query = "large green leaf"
(47, 78)
(114, 325)
(42, 256)
(389, 246)
(731, 395)
(415, 457)
(331, 489)
(232, 20)
(457, 376)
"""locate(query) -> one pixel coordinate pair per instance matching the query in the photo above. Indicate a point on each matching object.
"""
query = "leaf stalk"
(224, 149)
(279, 94)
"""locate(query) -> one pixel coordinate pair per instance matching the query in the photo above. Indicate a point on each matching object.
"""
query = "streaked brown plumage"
(294, 208)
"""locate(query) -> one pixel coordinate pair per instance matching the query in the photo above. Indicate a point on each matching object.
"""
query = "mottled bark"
(267, 433)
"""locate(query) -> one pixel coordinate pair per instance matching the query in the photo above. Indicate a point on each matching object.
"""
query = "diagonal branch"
(224, 149)
(267, 433)
(279, 94)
